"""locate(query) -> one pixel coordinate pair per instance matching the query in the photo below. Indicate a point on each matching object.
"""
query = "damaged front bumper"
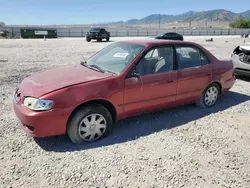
(241, 60)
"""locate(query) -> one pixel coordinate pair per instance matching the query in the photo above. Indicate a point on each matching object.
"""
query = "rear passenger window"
(188, 57)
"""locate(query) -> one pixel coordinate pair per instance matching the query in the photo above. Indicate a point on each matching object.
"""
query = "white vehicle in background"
(241, 60)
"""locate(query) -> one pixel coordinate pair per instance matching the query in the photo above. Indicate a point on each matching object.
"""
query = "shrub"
(240, 23)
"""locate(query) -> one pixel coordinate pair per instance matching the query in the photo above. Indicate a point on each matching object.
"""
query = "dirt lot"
(181, 147)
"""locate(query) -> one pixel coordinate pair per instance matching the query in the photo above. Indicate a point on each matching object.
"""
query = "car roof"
(155, 42)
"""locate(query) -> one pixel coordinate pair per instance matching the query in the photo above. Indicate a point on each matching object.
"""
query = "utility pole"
(159, 21)
(190, 21)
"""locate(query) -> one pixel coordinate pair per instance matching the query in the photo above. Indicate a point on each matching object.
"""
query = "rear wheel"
(107, 39)
(209, 96)
(88, 39)
(90, 123)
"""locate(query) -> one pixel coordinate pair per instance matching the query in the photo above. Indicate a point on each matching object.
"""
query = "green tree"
(2, 23)
(240, 23)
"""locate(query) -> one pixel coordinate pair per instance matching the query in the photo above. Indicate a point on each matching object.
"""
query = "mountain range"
(211, 15)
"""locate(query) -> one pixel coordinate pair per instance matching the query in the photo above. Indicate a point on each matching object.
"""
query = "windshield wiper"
(97, 67)
(84, 63)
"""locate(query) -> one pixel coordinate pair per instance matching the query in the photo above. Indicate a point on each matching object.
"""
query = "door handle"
(170, 81)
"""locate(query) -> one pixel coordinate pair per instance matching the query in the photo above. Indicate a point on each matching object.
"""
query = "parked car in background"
(241, 60)
(97, 34)
(169, 36)
(124, 79)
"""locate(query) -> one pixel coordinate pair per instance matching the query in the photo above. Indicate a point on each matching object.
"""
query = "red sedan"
(124, 79)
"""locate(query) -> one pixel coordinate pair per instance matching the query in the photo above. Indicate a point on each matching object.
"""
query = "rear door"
(194, 73)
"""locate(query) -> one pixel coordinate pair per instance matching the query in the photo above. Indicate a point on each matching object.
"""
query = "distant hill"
(211, 15)
(246, 14)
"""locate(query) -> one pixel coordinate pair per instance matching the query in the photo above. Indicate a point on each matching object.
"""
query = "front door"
(194, 73)
(153, 84)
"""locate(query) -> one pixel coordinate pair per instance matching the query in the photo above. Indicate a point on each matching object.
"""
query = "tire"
(208, 100)
(107, 39)
(88, 39)
(80, 125)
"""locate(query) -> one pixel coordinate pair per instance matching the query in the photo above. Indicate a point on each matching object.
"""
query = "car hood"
(245, 47)
(47, 81)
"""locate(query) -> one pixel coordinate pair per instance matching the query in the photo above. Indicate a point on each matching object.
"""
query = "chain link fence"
(80, 31)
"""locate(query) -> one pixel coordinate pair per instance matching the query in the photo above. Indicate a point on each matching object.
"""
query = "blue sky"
(95, 11)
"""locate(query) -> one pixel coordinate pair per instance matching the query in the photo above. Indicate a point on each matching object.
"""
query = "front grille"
(244, 58)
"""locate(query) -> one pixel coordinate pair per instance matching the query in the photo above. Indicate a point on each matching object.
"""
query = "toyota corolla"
(124, 79)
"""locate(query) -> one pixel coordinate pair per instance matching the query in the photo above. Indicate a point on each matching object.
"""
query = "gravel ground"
(180, 147)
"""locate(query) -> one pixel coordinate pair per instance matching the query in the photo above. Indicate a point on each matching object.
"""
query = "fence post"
(69, 31)
(138, 33)
(221, 32)
(147, 32)
(228, 31)
(116, 33)
(127, 33)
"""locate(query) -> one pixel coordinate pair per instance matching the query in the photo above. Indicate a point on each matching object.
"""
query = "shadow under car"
(132, 128)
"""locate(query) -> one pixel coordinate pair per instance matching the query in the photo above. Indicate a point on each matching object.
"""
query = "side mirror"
(135, 74)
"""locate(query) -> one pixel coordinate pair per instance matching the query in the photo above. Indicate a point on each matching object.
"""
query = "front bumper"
(44, 123)
(242, 72)
(93, 36)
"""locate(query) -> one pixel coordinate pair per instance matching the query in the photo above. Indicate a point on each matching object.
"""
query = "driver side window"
(157, 60)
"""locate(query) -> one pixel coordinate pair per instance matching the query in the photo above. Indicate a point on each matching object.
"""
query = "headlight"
(38, 104)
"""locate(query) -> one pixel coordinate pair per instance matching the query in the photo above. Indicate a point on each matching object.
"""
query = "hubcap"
(211, 96)
(92, 127)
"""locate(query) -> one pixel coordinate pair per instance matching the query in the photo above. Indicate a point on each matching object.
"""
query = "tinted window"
(188, 56)
(167, 34)
(157, 60)
(95, 30)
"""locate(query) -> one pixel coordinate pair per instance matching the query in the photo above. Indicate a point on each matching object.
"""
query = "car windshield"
(95, 30)
(115, 57)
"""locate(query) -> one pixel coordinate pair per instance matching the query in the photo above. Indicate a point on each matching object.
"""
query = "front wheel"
(88, 39)
(209, 96)
(90, 123)
(107, 39)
